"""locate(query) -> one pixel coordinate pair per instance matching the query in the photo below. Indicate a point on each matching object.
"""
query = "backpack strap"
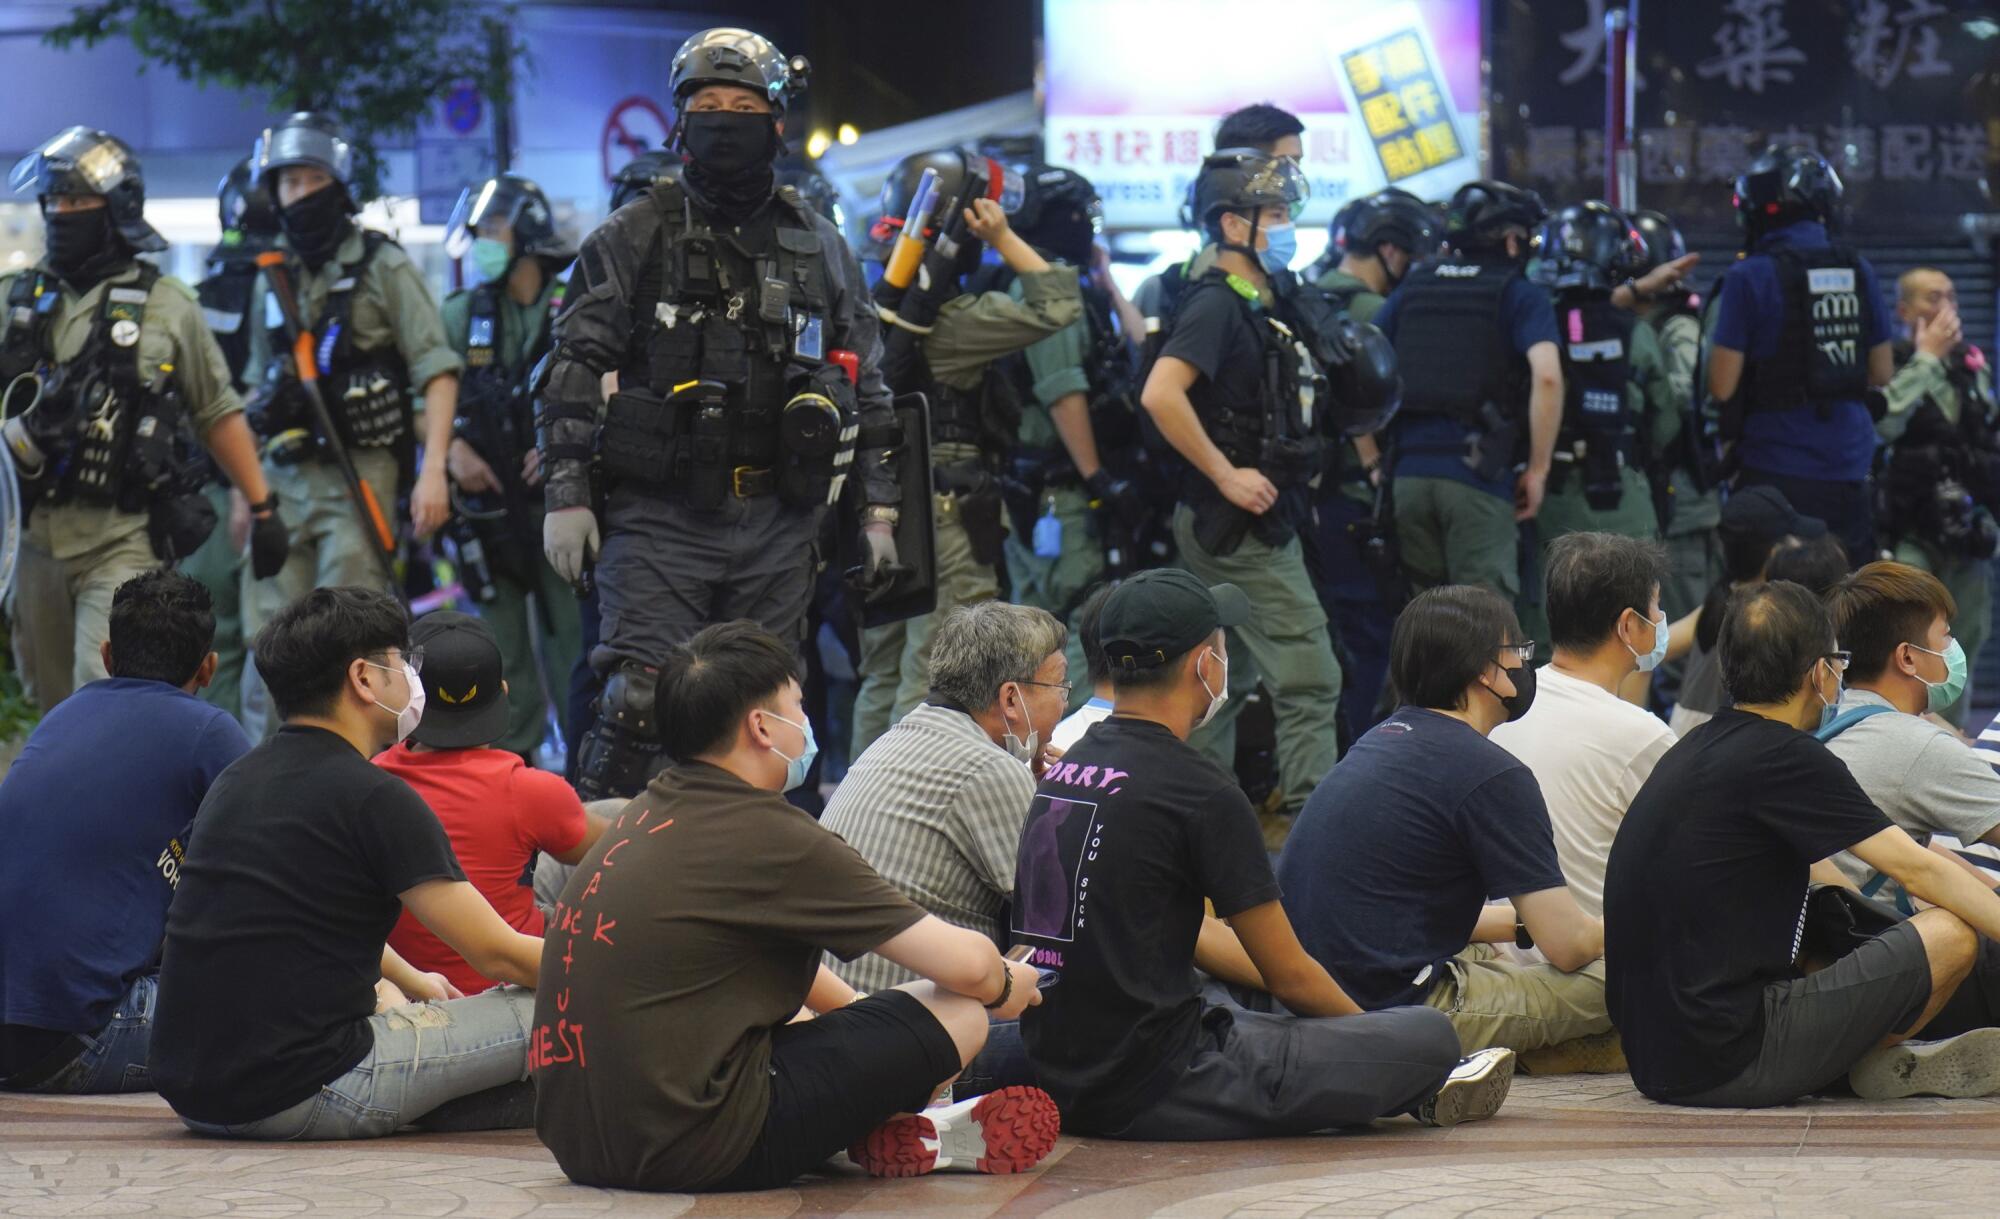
(1848, 719)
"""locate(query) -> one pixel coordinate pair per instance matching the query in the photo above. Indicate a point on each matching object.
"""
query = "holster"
(177, 525)
(1494, 444)
(1220, 526)
(979, 509)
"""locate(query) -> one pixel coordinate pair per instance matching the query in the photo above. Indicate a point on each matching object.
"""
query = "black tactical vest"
(1452, 344)
(1597, 370)
(226, 296)
(1273, 432)
(1822, 352)
(1933, 448)
(366, 390)
(496, 414)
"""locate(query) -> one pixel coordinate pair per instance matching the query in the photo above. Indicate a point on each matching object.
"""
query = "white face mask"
(1024, 751)
(412, 713)
(1215, 698)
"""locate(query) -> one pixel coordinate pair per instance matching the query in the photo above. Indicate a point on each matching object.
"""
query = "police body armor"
(732, 392)
(1599, 436)
(366, 390)
(1940, 482)
(1822, 352)
(226, 296)
(496, 416)
(1453, 348)
(112, 440)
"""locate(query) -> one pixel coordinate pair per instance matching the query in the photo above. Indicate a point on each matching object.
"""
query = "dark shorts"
(838, 1077)
(1818, 1026)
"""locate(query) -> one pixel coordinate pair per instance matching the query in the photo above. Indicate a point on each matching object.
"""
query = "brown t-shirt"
(691, 930)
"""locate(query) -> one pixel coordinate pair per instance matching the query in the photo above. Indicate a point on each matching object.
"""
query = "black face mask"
(727, 146)
(1524, 692)
(315, 224)
(75, 239)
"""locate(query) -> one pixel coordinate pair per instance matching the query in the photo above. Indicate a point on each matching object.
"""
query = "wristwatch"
(884, 514)
(1522, 939)
(267, 504)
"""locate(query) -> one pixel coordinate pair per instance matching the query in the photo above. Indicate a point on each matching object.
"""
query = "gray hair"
(981, 647)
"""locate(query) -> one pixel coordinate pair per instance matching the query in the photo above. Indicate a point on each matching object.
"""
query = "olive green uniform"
(1694, 556)
(972, 330)
(74, 556)
(532, 671)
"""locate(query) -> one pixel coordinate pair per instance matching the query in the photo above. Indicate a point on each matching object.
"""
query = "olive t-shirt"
(689, 932)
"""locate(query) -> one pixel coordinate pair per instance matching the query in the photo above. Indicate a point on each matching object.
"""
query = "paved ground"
(1576, 1145)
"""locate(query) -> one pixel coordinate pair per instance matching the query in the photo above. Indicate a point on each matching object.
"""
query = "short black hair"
(1818, 564)
(303, 652)
(162, 627)
(1258, 125)
(1096, 664)
(1882, 607)
(1444, 639)
(1593, 578)
(709, 682)
(1771, 637)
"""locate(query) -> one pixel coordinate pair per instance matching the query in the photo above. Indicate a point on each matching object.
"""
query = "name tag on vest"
(128, 296)
(1450, 270)
(1602, 349)
(1830, 279)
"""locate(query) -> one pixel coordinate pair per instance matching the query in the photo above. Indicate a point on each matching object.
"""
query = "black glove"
(270, 543)
(1121, 496)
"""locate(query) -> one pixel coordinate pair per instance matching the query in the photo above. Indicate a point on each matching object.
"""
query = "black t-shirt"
(1704, 894)
(1126, 836)
(274, 942)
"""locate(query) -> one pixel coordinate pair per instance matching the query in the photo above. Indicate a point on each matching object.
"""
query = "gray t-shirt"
(1922, 778)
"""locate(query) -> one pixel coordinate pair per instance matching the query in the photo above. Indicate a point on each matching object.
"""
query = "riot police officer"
(501, 327)
(641, 174)
(724, 305)
(1940, 474)
(972, 420)
(1483, 387)
(109, 378)
(1799, 339)
(376, 331)
(1227, 391)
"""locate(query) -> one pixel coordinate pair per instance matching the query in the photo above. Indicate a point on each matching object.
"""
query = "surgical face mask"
(1651, 660)
(729, 144)
(1023, 751)
(796, 768)
(74, 238)
(490, 258)
(1283, 248)
(1942, 694)
(1524, 692)
(1827, 709)
(315, 224)
(412, 712)
(1215, 697)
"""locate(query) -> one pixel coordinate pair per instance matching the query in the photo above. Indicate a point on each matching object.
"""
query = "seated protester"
(303, 856)
(1145, 828)
(1706, 898)
(497, 810)
(1387, 873)
(1755, 522)
(1817, 563)
(93, 851)
(1079, 721)
(690, 936)
(1895, 620)
(935, 805)
(1589, 749)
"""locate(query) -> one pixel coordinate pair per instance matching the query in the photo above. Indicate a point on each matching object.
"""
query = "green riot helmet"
(310, 139)
(524, 207)
(1590, 245)
(728, 56)
(243, 204)
(86, 161)
(642, 173)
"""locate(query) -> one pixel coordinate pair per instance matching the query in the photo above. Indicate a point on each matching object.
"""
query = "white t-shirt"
(1071, 730)
(1590, 751)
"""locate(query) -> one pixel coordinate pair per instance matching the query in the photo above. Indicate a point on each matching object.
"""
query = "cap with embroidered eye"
(465, 698)
(1162, 614)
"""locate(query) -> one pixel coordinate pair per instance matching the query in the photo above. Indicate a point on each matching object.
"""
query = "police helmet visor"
(1280, 180)
(497, 199)
(79, 161)
(300, 144)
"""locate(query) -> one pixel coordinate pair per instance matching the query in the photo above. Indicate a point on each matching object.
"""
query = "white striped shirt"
(936, 807)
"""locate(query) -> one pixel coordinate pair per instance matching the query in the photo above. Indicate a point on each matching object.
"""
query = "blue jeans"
(1003, 1063)
(424, 1055)
(115, 1059)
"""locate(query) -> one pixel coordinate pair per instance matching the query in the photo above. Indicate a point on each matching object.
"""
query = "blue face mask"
(1651, 660)
(1284, 247)
(796, 768)
(1828, 710)
(490, 258)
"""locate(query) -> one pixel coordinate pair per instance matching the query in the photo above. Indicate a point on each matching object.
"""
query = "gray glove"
(569, 539)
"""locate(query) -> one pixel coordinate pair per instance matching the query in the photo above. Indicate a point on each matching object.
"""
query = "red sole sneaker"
(1001, 1132)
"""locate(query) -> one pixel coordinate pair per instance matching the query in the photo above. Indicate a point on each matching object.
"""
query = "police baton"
(374, 524)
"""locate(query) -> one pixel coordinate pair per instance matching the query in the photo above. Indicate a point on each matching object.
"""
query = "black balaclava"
(316, 224)
(729, 160)
(84, 246)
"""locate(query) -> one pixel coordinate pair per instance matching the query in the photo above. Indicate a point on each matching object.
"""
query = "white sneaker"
(1474, 1089)
(1000, 1132)
(1965, 1065)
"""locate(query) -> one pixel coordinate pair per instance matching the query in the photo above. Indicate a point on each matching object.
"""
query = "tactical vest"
(496, 413)
(226, 296)
(1599, 435)
(1933, 448)
(728, 329)
(1822, 351)
(366, 390)
(1452, 344)
(1276, 432)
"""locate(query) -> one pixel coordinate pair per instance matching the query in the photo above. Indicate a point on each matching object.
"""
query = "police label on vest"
(1602, 349)
(1452, 270)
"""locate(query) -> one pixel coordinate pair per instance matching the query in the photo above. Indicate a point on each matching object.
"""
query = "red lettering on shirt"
(562, 999)
(614, 850)
(569, 954)
(603, 927)
(595, 878)
(663, 825)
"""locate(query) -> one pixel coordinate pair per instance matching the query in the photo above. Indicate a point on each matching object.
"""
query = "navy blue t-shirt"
(96, 813)
(1749, 317)
(1399, 848)
(1531, 319)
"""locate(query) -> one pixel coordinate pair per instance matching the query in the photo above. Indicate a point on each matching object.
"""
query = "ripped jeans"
(425, 1055)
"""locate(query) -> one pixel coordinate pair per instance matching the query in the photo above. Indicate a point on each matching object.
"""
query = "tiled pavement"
(1572, 1145)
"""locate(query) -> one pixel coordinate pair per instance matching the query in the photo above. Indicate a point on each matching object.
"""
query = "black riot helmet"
(1246, 180)
(1663, 239)
(1061, 214)
(86, 161)
(522, 205)
(306, 138)
(1784, 185)
(243, 203)
(818, 190)
(1365, 387)
(1590, 245)
(962, 176)
(1394, 216)
(1482, 210)
(642, 173)
(729, 56)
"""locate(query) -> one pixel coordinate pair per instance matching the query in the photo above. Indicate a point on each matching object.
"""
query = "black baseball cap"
(464, 702)
(1764, 512)
(1159, 615)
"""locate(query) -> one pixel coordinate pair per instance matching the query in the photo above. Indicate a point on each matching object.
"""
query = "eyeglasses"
(1840, 660)
(1524, 652)
(414, 658)
(1064, 686)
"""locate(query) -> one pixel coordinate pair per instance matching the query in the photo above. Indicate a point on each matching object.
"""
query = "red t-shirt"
(498, 812)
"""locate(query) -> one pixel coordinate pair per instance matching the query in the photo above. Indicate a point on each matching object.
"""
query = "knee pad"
(623, 750)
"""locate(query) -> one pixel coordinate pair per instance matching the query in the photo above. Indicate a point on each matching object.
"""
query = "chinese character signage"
(1388, 93)
(1899, 95)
